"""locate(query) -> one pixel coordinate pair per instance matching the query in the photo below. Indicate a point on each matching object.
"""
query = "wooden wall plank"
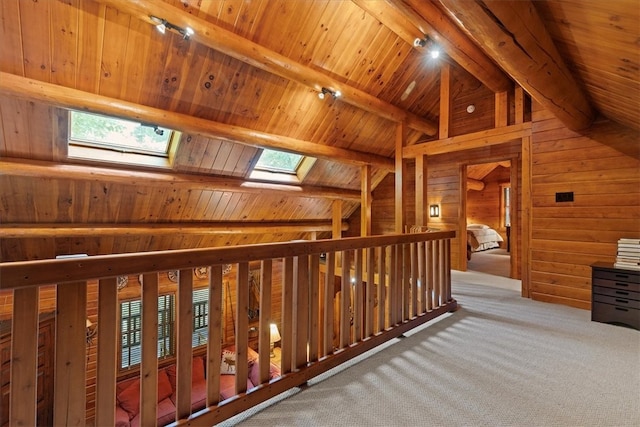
(10, 34)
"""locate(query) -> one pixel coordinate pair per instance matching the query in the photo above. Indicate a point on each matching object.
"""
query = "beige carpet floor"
(493, 261)
(500, 360)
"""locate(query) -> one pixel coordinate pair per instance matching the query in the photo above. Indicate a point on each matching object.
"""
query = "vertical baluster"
(413, 312)
(430, 274)
(406, 282)
(264, 343)
(301, 311)
(442, 271)
(422, 308)
(329, 292)
(184, 360)
(214, 332)
(149, 363)
(436, 274)
(345, 301)
(358, 297)
(382, 289)
(107, 351)
(394, 279)
(314, 325)
(398, 286)
(370, 291)
(24, 357)
(242, 327)
(447, 269)
(69, 395)
(287, 316)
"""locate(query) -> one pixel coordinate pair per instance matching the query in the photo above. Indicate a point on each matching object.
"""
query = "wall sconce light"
(92, 329)
(163, 24)
(434, 50)
(274, 337)
(434, 211)
(324, 92)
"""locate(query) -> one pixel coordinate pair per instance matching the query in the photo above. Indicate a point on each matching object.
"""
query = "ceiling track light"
(324, 92)
(163, 24)
(434, 49)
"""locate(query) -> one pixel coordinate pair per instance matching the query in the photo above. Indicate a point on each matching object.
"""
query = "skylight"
(119, 134)
(279, 161)
(280, 166)
(109, 139)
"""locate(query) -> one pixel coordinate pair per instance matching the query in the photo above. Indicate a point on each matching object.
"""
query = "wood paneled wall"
(601, 167)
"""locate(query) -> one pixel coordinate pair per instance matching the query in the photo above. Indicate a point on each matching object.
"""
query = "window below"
(131, 327)
(273, 165)
(505, 205)
(112, 140)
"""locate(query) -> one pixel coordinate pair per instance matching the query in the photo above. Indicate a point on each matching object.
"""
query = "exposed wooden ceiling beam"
(21, 231)
(245, 50)
(513, 34)
(48, 170)
(414, 18)
(64, 97)
(469, 141)
(472, 184)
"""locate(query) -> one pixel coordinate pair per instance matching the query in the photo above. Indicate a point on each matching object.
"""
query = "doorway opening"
(488, 218)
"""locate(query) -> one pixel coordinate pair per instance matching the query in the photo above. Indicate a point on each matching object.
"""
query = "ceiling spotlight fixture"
(471, 108)
(420, 42)
(324, 92)
(163, 24)
(430, 44)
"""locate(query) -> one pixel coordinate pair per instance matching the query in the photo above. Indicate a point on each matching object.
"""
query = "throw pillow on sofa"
(228, 363)
(129, 398)
(197, 372)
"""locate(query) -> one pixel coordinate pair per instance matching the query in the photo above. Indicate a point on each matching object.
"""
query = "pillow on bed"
(477, 227)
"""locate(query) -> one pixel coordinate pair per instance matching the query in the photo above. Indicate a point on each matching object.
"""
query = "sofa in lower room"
(128, 390)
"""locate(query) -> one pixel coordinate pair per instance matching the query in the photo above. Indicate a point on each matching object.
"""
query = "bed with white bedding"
(481, 237)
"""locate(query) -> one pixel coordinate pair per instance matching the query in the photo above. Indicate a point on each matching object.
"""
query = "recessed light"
(471, 108)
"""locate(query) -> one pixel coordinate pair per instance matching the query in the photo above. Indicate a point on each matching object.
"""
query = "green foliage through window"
(119, 134)
(279, 161)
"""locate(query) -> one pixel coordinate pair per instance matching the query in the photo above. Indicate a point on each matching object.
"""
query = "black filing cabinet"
(615, 296)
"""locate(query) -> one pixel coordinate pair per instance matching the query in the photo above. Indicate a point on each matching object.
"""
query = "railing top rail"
(56, 271)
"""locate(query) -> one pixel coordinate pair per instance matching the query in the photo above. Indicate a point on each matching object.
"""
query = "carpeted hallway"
(500, 360)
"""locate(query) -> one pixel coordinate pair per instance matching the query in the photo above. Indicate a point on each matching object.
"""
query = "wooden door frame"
(514, 167)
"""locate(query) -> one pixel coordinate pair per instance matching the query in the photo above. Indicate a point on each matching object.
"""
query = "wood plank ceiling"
(364, 48)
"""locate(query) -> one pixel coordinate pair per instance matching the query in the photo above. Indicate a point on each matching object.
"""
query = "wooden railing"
(388, 285)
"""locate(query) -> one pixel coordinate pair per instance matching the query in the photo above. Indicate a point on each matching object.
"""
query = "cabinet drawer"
(607, 313)
(618, 275)
(616, 284)
(617, 301)
(616, 292)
